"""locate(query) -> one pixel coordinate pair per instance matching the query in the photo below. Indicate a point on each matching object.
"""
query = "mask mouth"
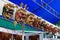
(7, 17)
(31, 18)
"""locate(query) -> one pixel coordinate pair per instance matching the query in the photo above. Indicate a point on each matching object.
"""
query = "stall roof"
(37, 10)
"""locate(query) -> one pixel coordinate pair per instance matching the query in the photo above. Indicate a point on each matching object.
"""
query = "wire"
(36, 9)
(39, 7)
(48, 2)
(56, 15)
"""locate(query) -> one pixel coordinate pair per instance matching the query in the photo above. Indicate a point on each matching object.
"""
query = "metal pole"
(54, 38)
(22, 33)
(23, 30)
(27, 37)
(12, 38)
(41, 36)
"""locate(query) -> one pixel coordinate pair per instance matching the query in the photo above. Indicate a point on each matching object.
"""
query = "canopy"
(37, 10)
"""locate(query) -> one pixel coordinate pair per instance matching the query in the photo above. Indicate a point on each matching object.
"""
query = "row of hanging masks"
(22, 17)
